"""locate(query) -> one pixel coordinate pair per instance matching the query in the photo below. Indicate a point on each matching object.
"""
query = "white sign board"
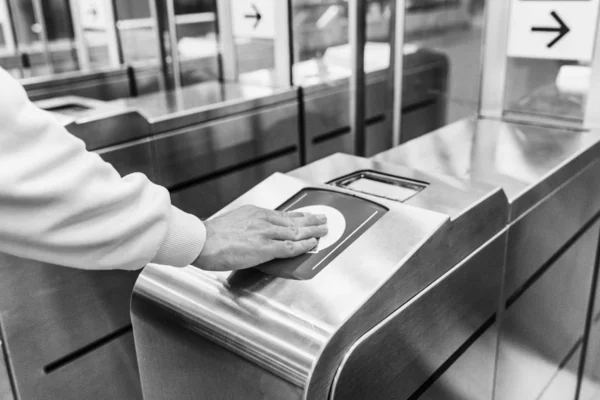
(553, 29)
(253, 18)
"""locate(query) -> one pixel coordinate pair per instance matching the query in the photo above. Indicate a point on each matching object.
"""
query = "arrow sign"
(562, 29)
(256, 15)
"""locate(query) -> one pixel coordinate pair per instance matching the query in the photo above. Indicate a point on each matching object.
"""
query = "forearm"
(63, 205)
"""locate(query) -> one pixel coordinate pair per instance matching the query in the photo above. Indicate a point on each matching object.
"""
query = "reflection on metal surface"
(49, 312)
(6, 391)
(550, 177)
(401, 353)
(528, 162)
(590, 385)
(296, 332)
(529, 356)
(471, 375)
(564, 383)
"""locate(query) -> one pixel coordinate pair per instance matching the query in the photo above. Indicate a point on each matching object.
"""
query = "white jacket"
(63, 205)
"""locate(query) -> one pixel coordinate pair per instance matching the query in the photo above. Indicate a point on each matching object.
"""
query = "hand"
(250, 236)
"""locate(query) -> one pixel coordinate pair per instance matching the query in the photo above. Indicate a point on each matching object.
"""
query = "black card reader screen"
(348, 217)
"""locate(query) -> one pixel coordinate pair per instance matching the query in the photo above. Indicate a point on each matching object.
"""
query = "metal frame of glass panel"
(110, 24)
(357, 36)
(38, 12)
(397, 66)
(83, 57)
(167, 22)
(6, 26)
(494, 70)
(283, 43)
(226, 42)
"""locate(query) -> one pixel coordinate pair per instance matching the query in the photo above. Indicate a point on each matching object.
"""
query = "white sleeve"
(64, 205)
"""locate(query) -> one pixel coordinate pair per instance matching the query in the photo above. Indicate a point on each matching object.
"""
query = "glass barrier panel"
(197, 44)
(136, 28)
(447, 31)
(537, 88)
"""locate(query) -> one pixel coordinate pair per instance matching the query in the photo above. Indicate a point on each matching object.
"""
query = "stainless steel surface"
(401, 353)
(495, 47)
(550, 178)
(60, 101)
(109, 372)
(203, 102)
(198, 151)
(6, 392)
(357, 27)
(107, 84)
(528, 162)
(104, 129)
(207, 197)
(544, 172)
(546, 322)
(399, 8)
(51, 312)
(540, 232)
(590, 384)
(460, 200)
(564, 383)
(136, 156)
(300, 312)
(590, 374)
(471, 376)
(377, 138)
(297, 332)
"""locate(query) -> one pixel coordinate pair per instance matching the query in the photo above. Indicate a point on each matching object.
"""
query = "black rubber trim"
(225, 171)
(85, 350)
(457, 354)
(331, 135)
(550, 262)
(419, 105)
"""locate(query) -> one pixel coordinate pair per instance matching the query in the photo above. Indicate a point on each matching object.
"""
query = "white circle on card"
(336, 224)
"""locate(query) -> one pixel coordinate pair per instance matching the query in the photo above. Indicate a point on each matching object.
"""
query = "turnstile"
(66, 332)
(408, 273)
(550, 178)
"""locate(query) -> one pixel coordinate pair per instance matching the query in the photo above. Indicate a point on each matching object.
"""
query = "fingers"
(296, 233)
(296, 219)
(310, 220)
(290, 249)
(290, 214)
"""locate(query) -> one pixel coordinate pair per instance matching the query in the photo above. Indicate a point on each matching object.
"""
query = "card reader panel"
(348, 218)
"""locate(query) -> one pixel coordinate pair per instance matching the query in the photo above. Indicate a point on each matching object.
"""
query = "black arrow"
(256, 16)
(562, 30)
